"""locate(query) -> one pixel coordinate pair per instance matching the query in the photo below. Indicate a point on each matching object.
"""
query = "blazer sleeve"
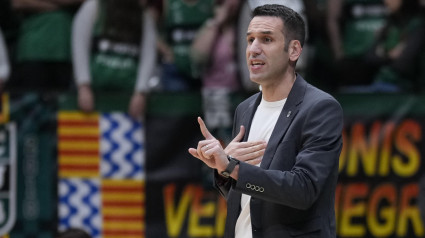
(222, 184)
(314, 143)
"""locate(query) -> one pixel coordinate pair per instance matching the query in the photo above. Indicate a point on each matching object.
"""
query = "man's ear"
(294, 50)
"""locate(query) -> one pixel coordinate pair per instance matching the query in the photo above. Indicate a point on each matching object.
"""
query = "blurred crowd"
(141, 46)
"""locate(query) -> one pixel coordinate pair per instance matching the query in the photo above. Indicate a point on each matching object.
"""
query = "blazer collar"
(289, 111)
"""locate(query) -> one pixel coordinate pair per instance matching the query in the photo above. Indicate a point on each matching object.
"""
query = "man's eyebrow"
(262, 32)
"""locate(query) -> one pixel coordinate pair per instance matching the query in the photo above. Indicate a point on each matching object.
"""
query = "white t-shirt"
(262, 126)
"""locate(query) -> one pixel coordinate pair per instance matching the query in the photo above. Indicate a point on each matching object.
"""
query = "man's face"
(266, 58)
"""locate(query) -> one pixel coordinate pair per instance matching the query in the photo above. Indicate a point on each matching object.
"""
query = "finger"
(204, 149)
(204, 145)
(204, 130)
(193, 152)
(209, 149)
(253, 145)
(243, 148)
(252, 155)
(256, 147)
(254, 161)
(201, 146)
(240, 135)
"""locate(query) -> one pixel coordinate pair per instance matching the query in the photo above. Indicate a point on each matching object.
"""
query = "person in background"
(179, 23)
(4, 62)
(213, 52)
(43, 58)
(399, 51)
(114, 49)
(290, 190)
(352, 26)
(320, 69)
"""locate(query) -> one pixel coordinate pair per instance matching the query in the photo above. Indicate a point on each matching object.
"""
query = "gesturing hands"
(213, 155)
(250, 152)
(210, 150)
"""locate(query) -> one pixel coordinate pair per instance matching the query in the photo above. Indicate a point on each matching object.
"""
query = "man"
(291, 192)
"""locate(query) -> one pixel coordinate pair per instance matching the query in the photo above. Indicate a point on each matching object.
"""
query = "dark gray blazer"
(293, 191)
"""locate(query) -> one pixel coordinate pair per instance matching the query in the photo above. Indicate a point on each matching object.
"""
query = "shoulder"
(317, 98)
(306, 95)
(314, 93)
(247, 105)
(249, 101)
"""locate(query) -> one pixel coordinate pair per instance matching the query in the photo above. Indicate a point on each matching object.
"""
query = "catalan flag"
(79, 137)
(123, 205)
(101, 171)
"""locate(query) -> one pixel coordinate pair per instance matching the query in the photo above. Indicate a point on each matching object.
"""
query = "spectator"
(8, 22)
(352, 27)
(113, 46)
(320, 68)
(398, 50)
(43, 47)
(179, 26)
(213, 50)
(4, 63)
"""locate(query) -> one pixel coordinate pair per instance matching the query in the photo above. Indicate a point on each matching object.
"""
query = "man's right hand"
(85, 98)
(209, 150)
(250, 152)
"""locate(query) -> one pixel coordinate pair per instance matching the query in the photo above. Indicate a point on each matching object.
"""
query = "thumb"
(240, 135)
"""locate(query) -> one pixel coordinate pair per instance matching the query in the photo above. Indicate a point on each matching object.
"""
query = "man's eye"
(267, 39)
(250, 40)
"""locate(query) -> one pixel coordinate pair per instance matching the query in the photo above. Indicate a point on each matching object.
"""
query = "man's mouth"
(256, 63)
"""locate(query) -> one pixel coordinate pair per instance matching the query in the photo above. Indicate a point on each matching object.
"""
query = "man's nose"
(254, 47)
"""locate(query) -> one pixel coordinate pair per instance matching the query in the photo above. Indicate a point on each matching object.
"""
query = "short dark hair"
(293, 23)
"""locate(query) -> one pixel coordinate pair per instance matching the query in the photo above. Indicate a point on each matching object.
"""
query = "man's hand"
(210, 150)
(137, 105)
(250, 152)
(85, 98)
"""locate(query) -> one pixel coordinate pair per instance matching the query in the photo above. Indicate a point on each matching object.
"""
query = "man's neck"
(279, 91)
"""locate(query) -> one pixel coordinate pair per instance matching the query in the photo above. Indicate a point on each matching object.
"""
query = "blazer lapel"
(287, 115)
